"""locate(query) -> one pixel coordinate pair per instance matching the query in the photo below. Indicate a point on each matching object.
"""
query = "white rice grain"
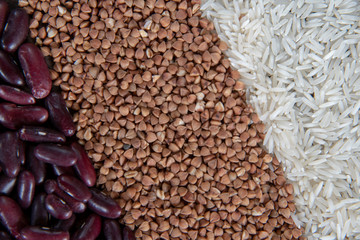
(300, 60)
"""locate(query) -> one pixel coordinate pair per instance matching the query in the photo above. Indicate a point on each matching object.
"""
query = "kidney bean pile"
(46, 178)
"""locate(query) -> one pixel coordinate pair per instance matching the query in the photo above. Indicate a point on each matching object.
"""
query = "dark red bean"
(14, 117)
(36, 71)
(90, 230)
(15, 95)
(9, 71)
(39, 215)
(112, 230)
(76, 206)
(128, 234)
(7, 184)
(37, 167)
(74, 187)
(41, 134)
(4, 236)
(39, 233)
(4, 11)
(83, 166)
(63, 170)
(51, 186)
(55, 154)
(103, 205)
(57, 207)
(65, 225)
(11, 216)
(11, 153)
(25, 188)
(59, 114)
(21, 150)
(16, 30)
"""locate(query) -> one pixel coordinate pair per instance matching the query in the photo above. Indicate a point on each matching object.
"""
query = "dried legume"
(164, 119)
(27, 149)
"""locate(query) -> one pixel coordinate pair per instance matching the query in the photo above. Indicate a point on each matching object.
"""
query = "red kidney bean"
(9, 71)
(63, 170)
(76, 206)
(74, 187)
(112, 230)
(4, 11)
(14, 117)
(15, 95)
(11, 216)
(39, 215)
(59, 114)
(37, 167)
(83, 166)
(41, 134)
(16, 30)
(21, 150)
(103, 205)
(128, 234)
(11, 153)
(57, 207)
(90, 230)
(36, 72)
(39, 233)
(50, 186)
(25, 188)
(55, 154)
(7, 184)
(65, 225)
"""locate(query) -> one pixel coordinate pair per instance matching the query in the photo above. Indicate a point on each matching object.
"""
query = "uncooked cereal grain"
(162, 116)
(300, 60)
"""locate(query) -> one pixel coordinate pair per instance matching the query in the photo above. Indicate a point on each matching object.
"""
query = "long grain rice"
(300, 60)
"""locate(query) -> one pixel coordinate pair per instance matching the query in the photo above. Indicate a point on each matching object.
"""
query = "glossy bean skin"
(14, 117)
(11, 216)
(83, 166)
(37, 167)
(16, 30)
(57, 208)
(25, 188)
(15, 95)
(4, 11)
(11, 153)
(36, 71)
(39, 215)
(103, 205)
(128, 234)
(38, 233)
(74, 187)
(55, 154)
(7, 184)
(63, 170)
(52, 187)
(41, 134)
(90, 230)
(65, 225)
(9, 71)
(112, 230)
(59, 114)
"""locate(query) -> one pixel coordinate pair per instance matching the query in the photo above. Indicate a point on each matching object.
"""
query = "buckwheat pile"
(164, 119)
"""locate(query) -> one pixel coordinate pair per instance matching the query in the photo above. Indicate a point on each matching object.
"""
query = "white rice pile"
(301, 62)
